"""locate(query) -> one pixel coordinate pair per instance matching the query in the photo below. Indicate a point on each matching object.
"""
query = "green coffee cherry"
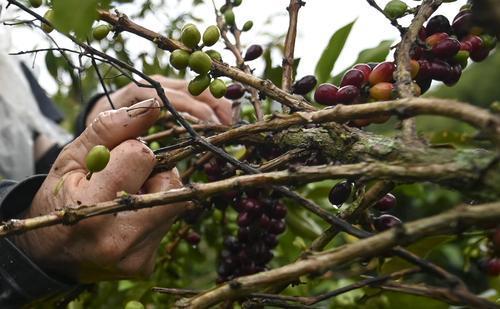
(211, 35)
(395, 9)
(237, 2)
(97, 158)
(247, 25)
(134, 304)
(190, 36)
(229, 17)
(214, 55)
(198, 84)
(489, 41)
(187, 25)
(154, 145)
(179, 59)
(36, 3)
(49, 16)
(100, 32)
(200, 62)
(218, 88)
(461, 58)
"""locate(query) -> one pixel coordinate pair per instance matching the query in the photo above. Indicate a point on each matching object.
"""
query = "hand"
(204, 107)
(109, 246)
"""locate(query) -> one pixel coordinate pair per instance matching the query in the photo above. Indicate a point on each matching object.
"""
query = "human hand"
(110, 246)
(204, 107)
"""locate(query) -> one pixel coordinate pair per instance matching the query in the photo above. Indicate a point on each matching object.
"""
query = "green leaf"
(75, 16)
(331, 53)
(375, 54)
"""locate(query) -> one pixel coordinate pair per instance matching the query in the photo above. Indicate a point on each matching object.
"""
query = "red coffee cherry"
(385, 222)
(493, 267)
(434, 39)
(440, 70)
(325, 94)
(454, 76)
(424, 71)
(234, 92)
(386, 203)
(475, 41)
(193, 238)
(446, 48)
(462, 25)
(353, 77)
(365, 68)
(383, 72)
(347, 94)
(480, 54)
(422, 33)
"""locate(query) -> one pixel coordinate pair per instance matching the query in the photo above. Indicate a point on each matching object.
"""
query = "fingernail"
(142, 107)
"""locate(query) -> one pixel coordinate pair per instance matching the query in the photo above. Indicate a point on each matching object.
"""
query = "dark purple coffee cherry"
(326, 94)
(193, 238)
(264, 258)
(231, 244)
(304, 85)
(244, 219)
(440, 70)
(347, 94)
(277, 226)
(251, 205)
(446, 48)
(353, 77)
(234, 92)
(340, 193)
(385, 222)
(493, 267)
(278, 211)
(271, 240)
(454, 76)
(438, 23)
(480, 54)
(424, 84)
(462, 25)
(253, 52)
(264, 221)
(387, 202)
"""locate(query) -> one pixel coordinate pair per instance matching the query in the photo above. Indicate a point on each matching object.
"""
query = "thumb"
(113, 127)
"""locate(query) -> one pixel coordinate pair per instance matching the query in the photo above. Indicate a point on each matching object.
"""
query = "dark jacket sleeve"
(21, 280)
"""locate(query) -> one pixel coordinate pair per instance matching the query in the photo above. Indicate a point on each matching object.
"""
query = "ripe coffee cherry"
(279, 211)
(480, 54)
(414, 68)
(439, 70)
(382, 91)
(365, 68)
(347, 94)
(200, 62)
(493, 267)
(36, 3)
(353, 77)
(277, 227)
(271, 240)
(438, 23)
(476, 43)
(190, 36)
(97, 158)
(424, 71)
(179, 59)
(218, 88)
(382, 73)
(395, 9)
(340, 193)
(134, 304)
(211, 35)
(385, 222)
(454, 75)
(326, 94)
(231, 244)
(386, 203)
(250, 204)
(214, 55)
(253, 52)
(264, 222)
(244, 219)
(424, 84)
(434, 39)
(234, 91)
(229, 17)
(304, 85)
(193, 238)
(247, 26)
(198, 84)
(100, 32)
(446, 48)
(49, 16)
(462, 25)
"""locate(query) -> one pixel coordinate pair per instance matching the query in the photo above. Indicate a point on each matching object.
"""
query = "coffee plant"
(323, 192)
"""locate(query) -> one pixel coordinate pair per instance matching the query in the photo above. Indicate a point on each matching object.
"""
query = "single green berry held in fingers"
(97, 158)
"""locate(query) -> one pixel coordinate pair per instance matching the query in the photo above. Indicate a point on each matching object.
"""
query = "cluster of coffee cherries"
(443, 49)
(260, 220)
(491, 264)
(340, 193)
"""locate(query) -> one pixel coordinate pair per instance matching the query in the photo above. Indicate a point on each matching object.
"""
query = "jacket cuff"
(21, 280)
